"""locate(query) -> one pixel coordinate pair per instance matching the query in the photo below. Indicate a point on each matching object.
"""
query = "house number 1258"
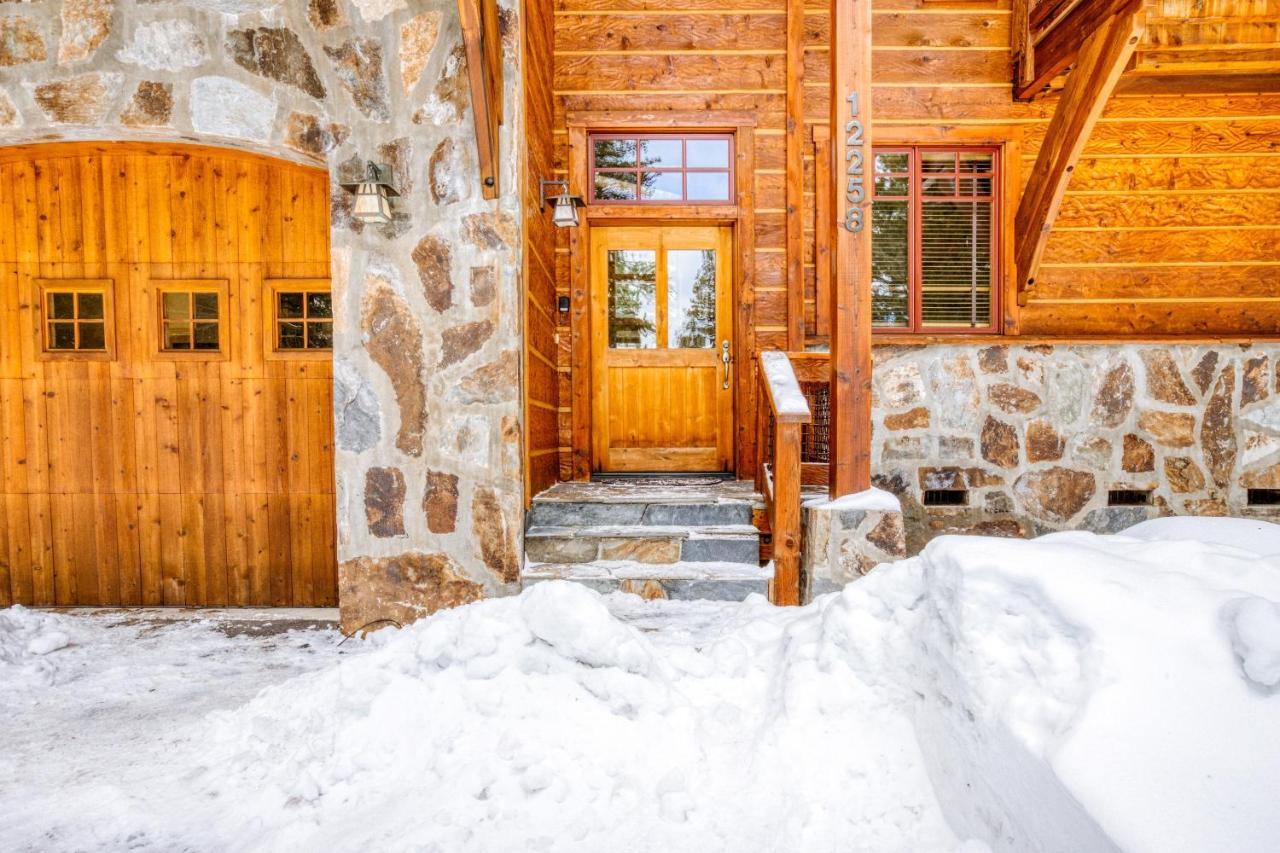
(855, 192)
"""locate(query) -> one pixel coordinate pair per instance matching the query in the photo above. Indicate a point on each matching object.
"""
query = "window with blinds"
(934, 241)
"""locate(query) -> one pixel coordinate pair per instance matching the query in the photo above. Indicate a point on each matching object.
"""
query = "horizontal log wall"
(1172, 214)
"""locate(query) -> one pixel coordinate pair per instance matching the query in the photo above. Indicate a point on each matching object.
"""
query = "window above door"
(936, 239)
(661, 168)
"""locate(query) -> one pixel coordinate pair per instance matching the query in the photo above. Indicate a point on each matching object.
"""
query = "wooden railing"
(782, 410)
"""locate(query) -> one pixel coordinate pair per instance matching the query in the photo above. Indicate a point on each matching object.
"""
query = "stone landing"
(656, 537)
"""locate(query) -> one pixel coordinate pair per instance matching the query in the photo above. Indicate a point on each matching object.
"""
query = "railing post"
(786, 523)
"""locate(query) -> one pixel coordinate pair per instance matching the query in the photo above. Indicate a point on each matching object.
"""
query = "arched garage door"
(166, 410)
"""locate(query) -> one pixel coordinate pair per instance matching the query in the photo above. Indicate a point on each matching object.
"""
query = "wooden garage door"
(156, 447)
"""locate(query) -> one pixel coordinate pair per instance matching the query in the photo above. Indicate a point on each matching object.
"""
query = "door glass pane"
(206, 306)
(691, 298)
(62, 336)
(93, 336)
(661, 152)
(62, 306)
(289, 305)
(206, 336)
(177, 306)
(661, 186)
(708, 186)
(319, 305)
(90, 306)
(708, 153)
(889, 241)
(633, 299)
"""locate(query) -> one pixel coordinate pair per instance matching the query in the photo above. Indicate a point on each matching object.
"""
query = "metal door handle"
(726, 358)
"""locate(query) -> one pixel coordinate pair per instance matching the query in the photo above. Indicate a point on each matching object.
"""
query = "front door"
(661, 361)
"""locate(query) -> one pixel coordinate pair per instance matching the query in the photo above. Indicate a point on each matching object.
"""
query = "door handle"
(727, 359)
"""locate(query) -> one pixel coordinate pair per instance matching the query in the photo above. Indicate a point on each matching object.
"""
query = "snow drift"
(1072, 693)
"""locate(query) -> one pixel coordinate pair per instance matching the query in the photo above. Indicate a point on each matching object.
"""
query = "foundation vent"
(1264, 497)
(1129, 497)
(946, 497)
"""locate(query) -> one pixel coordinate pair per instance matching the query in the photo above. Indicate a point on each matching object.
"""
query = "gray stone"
(277, 54)
(221, 106)
(358, 64)
(696, 515)
(357, 415)
(713, 590)
(716, 549)
(571, 514)
(1113, 519)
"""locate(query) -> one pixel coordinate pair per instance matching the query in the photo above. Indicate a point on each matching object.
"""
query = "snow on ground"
(1073, 693)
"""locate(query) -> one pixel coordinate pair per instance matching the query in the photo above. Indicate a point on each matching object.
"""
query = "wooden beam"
(1102, 60)
(850, 430)
(822, 230)
(795, 175)
(1057, 48)
(482, 41)
(1024, 54)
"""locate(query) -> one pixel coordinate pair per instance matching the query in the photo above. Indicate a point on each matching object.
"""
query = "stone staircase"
(657, 538)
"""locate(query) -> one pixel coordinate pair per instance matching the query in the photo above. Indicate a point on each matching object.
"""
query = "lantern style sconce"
(565, 212)
(373, 195)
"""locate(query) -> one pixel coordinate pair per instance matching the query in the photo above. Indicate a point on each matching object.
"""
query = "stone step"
(640, 543)
(666, 513)
(683, 581)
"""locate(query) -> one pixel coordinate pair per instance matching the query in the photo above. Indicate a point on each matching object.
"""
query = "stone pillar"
(846, 538)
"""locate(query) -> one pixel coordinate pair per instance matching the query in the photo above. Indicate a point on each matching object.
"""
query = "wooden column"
(850, 437)
(795, 175)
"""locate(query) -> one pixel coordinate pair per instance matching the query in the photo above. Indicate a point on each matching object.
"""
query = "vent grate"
(946, 497)
(1264, 497)
(1129, 497)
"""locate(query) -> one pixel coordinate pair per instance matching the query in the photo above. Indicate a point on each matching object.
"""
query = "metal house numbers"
(855, 190)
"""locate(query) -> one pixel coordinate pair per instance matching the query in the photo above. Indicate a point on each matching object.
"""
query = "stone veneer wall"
(427, 350)
(1039, 434)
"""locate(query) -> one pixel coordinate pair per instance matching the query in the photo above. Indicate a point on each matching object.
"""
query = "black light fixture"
(565, 213)
(373, 195)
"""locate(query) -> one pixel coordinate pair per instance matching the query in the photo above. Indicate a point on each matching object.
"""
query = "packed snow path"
(1075, 693)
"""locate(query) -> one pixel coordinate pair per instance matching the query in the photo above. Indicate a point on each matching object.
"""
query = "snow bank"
(28, 639)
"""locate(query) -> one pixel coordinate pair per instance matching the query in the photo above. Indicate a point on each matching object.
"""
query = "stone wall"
(1038, 435)
(428, 313)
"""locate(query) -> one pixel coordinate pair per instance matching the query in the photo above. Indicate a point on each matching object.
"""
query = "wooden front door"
(661, 349)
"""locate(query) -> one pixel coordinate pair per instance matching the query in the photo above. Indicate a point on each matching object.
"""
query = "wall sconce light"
(565, 213)
(373, 195)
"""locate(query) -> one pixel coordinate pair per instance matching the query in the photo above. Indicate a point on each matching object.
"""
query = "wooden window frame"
(915, 252)
(684, 170)
(46, 286)
(192, 285)
(270, 342)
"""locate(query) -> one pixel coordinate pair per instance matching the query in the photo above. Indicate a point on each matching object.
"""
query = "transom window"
(75, 320)
(662, 168)
(934, 250)
(191, 317)
(304, 320)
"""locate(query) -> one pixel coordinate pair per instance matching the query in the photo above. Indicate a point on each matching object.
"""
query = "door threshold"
(627, 476)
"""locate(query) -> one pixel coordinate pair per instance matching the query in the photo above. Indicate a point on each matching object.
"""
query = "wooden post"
(795, 175)
(786, 507)
(850, 437)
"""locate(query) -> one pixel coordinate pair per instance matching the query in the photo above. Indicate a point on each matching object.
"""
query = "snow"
(788, 399)
(1071, 693)
(872, 500)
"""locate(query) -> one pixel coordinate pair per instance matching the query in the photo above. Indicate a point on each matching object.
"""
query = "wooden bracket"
(1101, 61)
(1048, 37)
(482, 40)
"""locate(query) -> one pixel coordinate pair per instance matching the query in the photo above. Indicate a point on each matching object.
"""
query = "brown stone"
(151, 106)
(1204, 371)
(1000, 443)
(889, 535)
(78, 100)
(1138, 456)
(1114, 399)
(649, 550)
(1217, 429)
(376, 592)
(275, 53)
(484, 286)
(490, 230)
(1055, 494)
(1004, 528)
(903, 447)
(434, 260)
(85, 24)
(461, 341)
(1255, 380)
(955, 447)
(1172, 429)
(1095, 451)
(325, 14)
(20, 42)
(307, 133)
(953, 477)
(384, 501)
(395, 345)
(917, 418)
(1164, 380)
(1266, 478)
(398, 154)
(358, 65)
(496, 533)
(440, 503)
(649, 590)
(1183, 475)
(450, 89)
(1206, 506)
(496, 382)
(1012, 399)
(1044, 443)
(442, 170)
(8, 112)
(993, 359)
(417, 38)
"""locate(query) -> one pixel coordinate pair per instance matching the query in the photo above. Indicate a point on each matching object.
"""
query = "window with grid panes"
(75, 321)
(191, 321)
(934, 247)
(304, 320)
(662, 168)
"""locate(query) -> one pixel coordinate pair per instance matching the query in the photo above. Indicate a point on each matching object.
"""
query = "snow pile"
(27, 639)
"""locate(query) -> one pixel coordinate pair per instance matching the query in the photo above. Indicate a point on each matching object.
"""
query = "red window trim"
(915, 301)
(683, 171)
